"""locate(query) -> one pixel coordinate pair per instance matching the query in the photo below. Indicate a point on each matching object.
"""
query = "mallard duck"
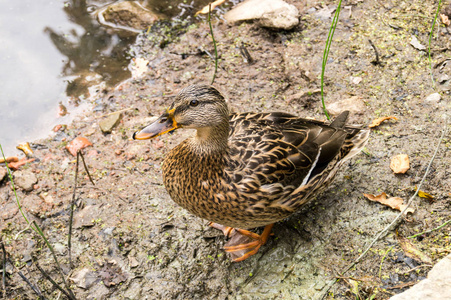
(246, 170)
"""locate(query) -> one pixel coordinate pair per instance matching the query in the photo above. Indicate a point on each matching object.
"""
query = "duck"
(242, 171)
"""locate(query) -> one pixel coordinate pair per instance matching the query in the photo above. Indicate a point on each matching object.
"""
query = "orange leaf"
(378, 121)
(77, 144)
(393, 202)
(205, 10)
(400, 163)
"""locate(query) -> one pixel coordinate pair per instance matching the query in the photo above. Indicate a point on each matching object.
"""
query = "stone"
(2, 174)
(25, 180)
(416, 43)
(433, 98)
(269, 13)
(437, 286)
(107, 124)
(86, 217)
(127, 15)
(85, 278)
(35, 205)
(354, 104)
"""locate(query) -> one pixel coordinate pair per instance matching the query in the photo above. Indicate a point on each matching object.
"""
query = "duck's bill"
(164, 124)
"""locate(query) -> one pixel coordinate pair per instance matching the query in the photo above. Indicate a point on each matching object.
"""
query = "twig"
(395, 221)
(114, 112)
(54, 258)
(35, 290)
(4, 269)
(430, 38)
(47, 276)
(383, 258)
(214, 43)
(86, 168)
(431, 230)
(72, 207)
(377, 61)
(326, 55)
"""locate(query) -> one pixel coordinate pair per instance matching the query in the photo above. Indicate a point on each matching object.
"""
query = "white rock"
(270, 13)
(416, 43)
(435, 97)
(436, 287)
(354, 104)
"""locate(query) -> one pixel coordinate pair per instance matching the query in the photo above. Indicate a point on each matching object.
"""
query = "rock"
(86, 217)
(85, 278)
(2, 174)
(435, 97)
(443, 78)
(269, 13)
(416, 43)
(436, 287)
(107, 124)
(127, 15)
(35, 205)
(25, 180)
(354, 104)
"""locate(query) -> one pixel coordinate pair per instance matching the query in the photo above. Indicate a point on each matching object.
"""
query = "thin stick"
(430, 38)
(35, 290)
(395, 221)
(86, 168)
(214, 43)
(326, 54)
(431, 230)
(47, 276)
(72, 207)
(54, 258)
(4, 269)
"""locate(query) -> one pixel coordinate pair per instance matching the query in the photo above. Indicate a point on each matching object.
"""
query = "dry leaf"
(444, 19)
(378, 121)
(400, 163)
(206, 8)
(25, 148)
(393, 202)
(77, 144)
(425, 195)
(411, 251)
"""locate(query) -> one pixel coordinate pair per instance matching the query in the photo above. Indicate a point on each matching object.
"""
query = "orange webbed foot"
(244, 243)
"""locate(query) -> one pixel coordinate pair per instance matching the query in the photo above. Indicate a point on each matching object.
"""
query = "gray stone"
(86, 217)
(435, 98)
(355, 105)
(107, 124)
(85, 278)
(25, 180)
(436, 287)
(270, 13)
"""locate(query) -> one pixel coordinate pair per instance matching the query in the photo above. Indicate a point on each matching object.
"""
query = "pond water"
(50, 53)
(53, 52)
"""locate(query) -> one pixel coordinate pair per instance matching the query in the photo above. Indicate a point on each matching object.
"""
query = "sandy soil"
(130, 241)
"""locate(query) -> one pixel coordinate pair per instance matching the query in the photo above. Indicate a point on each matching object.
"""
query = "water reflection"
(94, 51)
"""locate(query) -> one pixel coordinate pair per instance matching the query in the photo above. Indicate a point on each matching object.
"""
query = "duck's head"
(199, 107)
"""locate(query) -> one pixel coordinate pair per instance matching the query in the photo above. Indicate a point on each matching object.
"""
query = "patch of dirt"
(141, 245)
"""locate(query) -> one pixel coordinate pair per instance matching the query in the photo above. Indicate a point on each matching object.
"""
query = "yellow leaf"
(425, 195)
(378, 121)
(411, 251)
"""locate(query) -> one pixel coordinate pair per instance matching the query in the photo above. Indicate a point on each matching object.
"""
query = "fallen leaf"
(444, 19)
(23, 161)
(393, 202)
(77, 144)
(378, 121)
(9, 159)
(411, 251)
(400, 163)
(425, 195)
(206, 8)
(416, 43)
(25, 148)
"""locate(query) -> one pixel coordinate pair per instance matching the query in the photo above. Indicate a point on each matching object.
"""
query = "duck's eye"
(194, 102)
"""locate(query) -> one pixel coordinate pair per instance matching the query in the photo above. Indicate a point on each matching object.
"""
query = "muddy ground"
(130, 241)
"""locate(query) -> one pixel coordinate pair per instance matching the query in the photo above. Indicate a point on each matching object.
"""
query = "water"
(50, 53)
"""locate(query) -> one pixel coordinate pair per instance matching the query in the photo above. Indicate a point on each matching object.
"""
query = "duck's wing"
(284, 151)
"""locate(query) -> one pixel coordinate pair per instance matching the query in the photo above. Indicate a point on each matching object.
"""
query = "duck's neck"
(211, 139)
